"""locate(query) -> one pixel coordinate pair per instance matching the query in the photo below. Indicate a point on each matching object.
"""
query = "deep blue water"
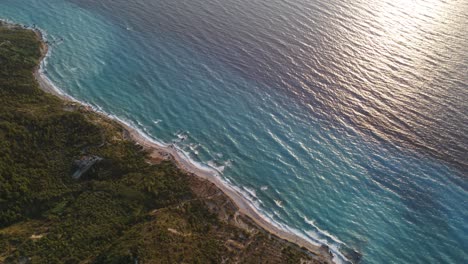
(343, 121)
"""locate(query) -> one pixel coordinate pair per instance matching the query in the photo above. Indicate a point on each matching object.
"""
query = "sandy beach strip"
(159, 151)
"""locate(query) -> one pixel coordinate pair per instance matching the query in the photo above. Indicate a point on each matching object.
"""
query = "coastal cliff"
(78, 187)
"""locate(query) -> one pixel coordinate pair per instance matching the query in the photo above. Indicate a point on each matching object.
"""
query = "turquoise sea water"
(345, 122)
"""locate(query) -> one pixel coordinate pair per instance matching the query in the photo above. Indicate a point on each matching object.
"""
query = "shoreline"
(171, 152)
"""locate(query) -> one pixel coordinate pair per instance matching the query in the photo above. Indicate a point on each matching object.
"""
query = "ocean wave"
(313, 238)
(193, 148)
(251, 192)
(181, 136)
(279, 203)
(328, 235)
(213, 164)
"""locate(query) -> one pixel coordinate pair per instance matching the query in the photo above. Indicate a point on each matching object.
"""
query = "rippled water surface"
(343, 121)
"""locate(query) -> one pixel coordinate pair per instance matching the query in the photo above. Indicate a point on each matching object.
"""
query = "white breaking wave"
(330, 236)
(279, 203)
(319, 234)
(312, 238)
(251, 192)
(193, 148)
(213, 164)
(182, 136)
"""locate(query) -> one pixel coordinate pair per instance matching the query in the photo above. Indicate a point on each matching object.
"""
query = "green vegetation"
(122, 210)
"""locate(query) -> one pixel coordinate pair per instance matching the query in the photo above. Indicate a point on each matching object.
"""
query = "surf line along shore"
(171, 152)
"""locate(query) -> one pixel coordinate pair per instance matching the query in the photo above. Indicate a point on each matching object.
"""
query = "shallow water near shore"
(344, 122)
